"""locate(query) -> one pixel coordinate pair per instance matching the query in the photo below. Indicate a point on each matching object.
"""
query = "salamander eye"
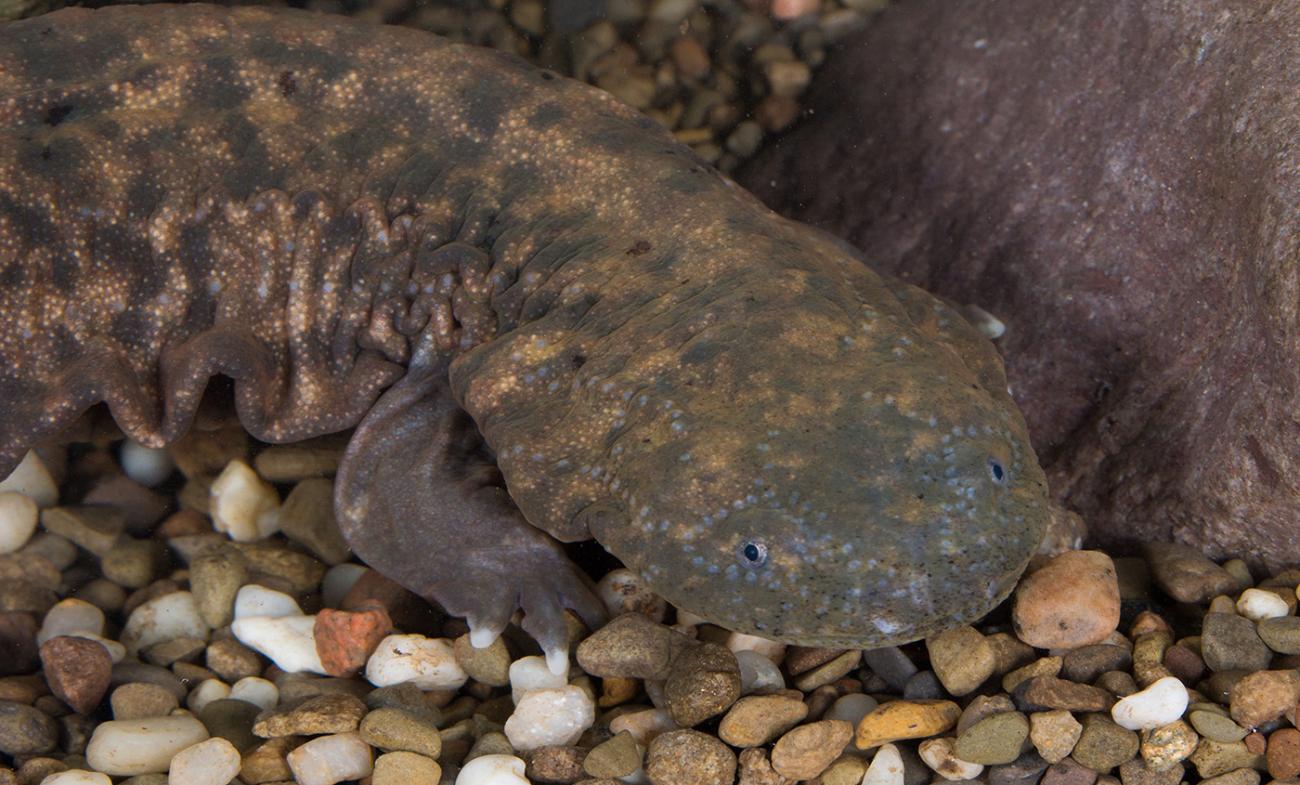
(753, 554)
(996, 471)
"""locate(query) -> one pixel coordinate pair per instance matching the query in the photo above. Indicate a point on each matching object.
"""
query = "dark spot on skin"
(579, 360)
(547, 115)
(639, 248)
(482, 113)
(288, 85)
(216, 88)
(547, 75)
(57, 114)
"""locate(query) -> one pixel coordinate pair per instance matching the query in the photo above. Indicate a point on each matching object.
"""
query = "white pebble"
(326, 760)
(939, 756)
(338, 581)
(244, 505)
(493, 770)
(289, 641)
(211, 762)
(773, 650)
(77, 777)
(31, 478)
(70, 617)
(257, 691)
(1257, 604)
(18, 515)
(428, 663)
(550, 717)
(758, 673)
(148, 466)
(162, 619)
(532, 673)
(643, 725)
(254, 600)
(1160, 704)
(886, 767)
(207, 692)
(623, 591)
(851, 708)
(125, 748)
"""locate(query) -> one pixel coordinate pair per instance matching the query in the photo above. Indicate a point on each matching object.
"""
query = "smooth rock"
(1159, 704)
(243, 505)
(758, 673)
(493, 770)
(1185, 574)
(257, 691)
(231, 660)
(1264, 696)
(1071, 601)
(95, 529)
(890, 664)
(307, 517)
(550, 717)
(1257, 604)
(392, 729)
(1229, 642)
(137, 700)
(1281, 634)
(148, 466)
(806, 751)
(1283, 754)
(216, 576)
(124, 748)
(1216, 727)
(900, 720)
(886, 767)
(630, 646)
(266, 762)
(132, 563)
(938, 754)
(488, 665)
(616, 757)
(532, 673)
(326, 760)
(287, 640)
(1213, 758)
(78, 671)
(32, 479)
(253, 600)
(758, 719)
(1103, 745)
(162, 619)
(232, 720)
(961, 658)
(429, 663)
(703, 682)
(338, 581)
(211, 762)
(18, 516)
(995, 739)
(75, 777)
(687, 757)
(71, 617)
(25, 730)
(405, 768)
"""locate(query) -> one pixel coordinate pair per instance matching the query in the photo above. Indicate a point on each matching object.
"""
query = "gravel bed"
(193, 616)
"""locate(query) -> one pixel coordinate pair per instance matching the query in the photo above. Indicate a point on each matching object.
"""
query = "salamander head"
(857, 490)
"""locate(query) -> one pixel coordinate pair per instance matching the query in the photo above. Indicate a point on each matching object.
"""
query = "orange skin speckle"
(369, 227)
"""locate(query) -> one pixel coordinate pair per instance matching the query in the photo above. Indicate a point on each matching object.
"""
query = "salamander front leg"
(420, 500)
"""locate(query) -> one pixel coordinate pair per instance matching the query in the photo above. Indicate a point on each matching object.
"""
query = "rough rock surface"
(1119, 183)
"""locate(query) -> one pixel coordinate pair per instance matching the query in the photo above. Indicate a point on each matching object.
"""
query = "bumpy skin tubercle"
(327, 211)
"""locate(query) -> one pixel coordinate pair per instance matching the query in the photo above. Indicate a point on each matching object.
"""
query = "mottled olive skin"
(776, 437)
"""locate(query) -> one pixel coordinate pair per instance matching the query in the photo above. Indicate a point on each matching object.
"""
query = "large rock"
(1120, 182)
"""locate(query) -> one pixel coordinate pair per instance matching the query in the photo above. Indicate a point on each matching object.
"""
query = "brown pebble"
(1184, 573)
(346, 639)
(1086, 663)
(755, 720)
(687, 757)
(18, 643)
(631, 646)
(329, 713)
(756, 769)
(1053, 693)
(1071, 601)
(78, 671)
(1069, 772)
(1184, 663)
(1283, 754)
(1140, 772)
(1255, 742)
(806, 751)
(616, 757)
(232, 660)
(704, 681)
(556, 764)
(1264, 696)
(961, 658)
(1103, 745)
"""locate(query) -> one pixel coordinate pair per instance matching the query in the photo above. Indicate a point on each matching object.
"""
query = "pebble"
(687, 757)
(231, 660)
(532, 673)
(891, 664)
(643, 725)
(899, 720)
(211, 762)
(488, 665)
(162, 619)
(18, 516)
(95, 529)
(392, 729)
(1213, 758)
(1241, 776)
(828, 672)
(307, 518)
(326, 760)
(1183, 573)
(254, 600)
(1086, 663)
(616, 757)
(1281, 634)
(550, 717)
(287, 640)
(1164, 747)
(758, 673)
(493, 770)
(1103, 745)
(758, 719)
(624, 591)
(149, 466)
(1071, 601)
(995, 739)
(346, 639)
(32, 479)
(208, 691)
(231, 720)
(25, 730)
(886, 767)
(125, 748)
(630, 646)
(1159, 704)
(428, 663)
(243, 505)
(806, 751)
(1052, 693)
(282, 568)
(703, 681)
(1216, 726)
(71, 617)
(23, 597)
(75, 777)
(216, 576)
(1283, 754)
(266, 761)
(1264, 696)
(938, 755)
(1229, 642)
(338, 581)
(257, 691)
(328, 713)
(78, 671)
(136, 700)
(132, 563)
(961, 658)
(1259, 604)
(405, 768)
